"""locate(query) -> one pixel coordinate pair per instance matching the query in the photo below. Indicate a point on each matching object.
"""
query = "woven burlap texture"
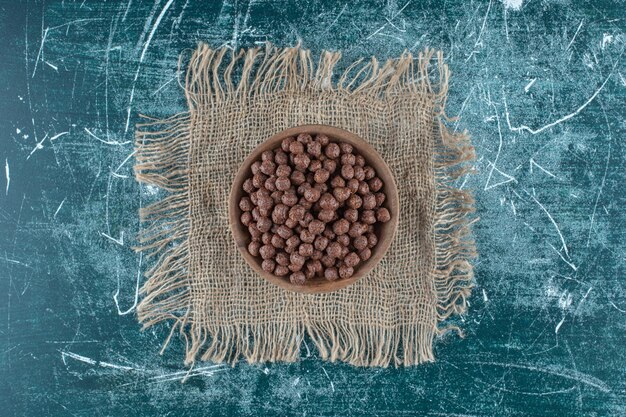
(220, 308)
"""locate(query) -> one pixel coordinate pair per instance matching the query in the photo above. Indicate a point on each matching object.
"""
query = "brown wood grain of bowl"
(384, 231)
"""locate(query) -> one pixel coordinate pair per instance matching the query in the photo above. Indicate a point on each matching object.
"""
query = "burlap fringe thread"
(162, 148)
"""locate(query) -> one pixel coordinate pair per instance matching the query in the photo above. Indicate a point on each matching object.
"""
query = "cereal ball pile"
(311, 207)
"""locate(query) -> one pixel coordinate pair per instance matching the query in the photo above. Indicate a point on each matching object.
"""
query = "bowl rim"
(392, 203)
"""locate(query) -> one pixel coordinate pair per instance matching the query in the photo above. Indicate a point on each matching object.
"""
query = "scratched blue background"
(541, 87)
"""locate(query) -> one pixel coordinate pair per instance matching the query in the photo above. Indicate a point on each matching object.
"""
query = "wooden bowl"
(384, 231)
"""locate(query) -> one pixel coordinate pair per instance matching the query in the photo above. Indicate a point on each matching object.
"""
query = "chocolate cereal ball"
(328, 202)
(314, 148)
(331, 274)
(267, 251)
(282, 259)
(382, 215)
(281, 157)
(305, 250)
(253, 248)
(329, 165)
(332, 151)
(321, 243)
(368, 217)
(353, 185)
(351, 260)
(281, 270)
(289, 199)
(277, 241)
(326, 215)
(334, 250)
(296, 148)
(375, 184)
(246, 218)
(268, 265)
(341, 227)
(322, 139)
(297, 278)
(344, 240)
(360, 242)
(264, 224)
(316, 227)
(341, 194)
(346, 271)
(321, 176)
(365, 254)
(282, 183)
(351, 215)
(347, 171)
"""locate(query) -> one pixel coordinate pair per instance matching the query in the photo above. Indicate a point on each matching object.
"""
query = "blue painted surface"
(541, 87)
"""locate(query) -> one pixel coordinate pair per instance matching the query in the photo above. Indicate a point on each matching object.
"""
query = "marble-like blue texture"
(540, 85)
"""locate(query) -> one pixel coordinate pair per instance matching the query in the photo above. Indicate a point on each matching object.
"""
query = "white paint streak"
(119, 241)
(37, 147)
(480, 34)
(530, 84)
(143, 55)
(561, 120)
(107, 142)
(78, 357)
(558, 326)
(575, 34)
(127, 9)
(125, 160)
(488, 184)
(116, 175)
(15, 261)
(552, 370)
(73, 22)
(43, 40)
(556, 226)
(606, 40)
(94, 362)
(574, 267)
(54, 67)
(7, 173)
(154, 29)
(616, 307)
(583, 299)
(595, 206)
(388, 21)
(59, 208)
(338, 16)
(166, 83)
(532, 162)
(332, 386)
(136, 298)
(58, 135)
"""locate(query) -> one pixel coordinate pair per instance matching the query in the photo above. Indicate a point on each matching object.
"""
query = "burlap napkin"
(199, 281)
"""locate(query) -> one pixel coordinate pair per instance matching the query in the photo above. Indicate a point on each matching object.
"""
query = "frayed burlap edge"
(162, 154)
